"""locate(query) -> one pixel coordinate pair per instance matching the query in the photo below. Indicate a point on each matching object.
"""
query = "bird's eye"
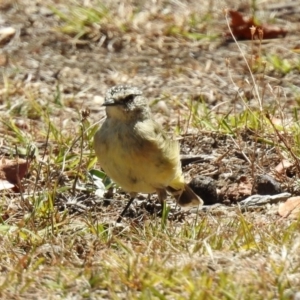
(128, 98)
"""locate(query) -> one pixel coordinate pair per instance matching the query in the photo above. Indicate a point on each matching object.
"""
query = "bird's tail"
(186, 196)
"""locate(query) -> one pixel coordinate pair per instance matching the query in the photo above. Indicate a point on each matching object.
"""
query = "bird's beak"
(109, 102)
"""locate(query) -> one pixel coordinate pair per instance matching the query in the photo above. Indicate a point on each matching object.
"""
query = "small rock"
(265, 185)
(98, 99)
(45, 11)
(205, 188)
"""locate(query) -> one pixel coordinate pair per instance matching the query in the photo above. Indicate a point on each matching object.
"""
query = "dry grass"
(58, 239)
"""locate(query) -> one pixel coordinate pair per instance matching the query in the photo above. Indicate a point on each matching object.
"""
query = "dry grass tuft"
(236, 104)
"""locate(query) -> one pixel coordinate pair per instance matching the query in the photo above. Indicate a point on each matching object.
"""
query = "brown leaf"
(11, 172)
(240, 27)
(290, 208)
(238, 190)
(282, 166)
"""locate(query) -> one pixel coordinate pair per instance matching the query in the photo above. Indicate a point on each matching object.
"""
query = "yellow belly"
(135, 159)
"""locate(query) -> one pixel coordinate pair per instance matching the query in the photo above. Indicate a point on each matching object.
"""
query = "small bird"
(134, 151)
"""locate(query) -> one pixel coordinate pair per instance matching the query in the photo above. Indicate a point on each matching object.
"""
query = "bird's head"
(126, 103)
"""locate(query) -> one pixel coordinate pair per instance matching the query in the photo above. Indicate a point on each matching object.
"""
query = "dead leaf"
(283, 166)
(237, 190)
(11, 172)
(240, 27)
(290, 208)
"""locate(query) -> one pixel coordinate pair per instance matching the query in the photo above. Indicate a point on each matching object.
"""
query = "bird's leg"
(162, 196)
(125, 209)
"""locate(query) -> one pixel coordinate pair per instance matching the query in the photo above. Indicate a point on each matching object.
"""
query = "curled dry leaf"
(240, 26)
(11, 171)
(290, 208)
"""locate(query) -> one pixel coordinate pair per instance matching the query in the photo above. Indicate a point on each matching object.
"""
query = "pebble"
(6, 34)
